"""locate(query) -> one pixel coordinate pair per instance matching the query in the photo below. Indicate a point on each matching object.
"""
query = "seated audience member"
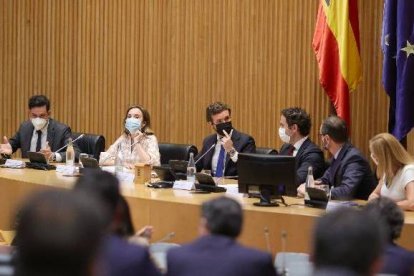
(138, 143)
(396, 260)
(294, 129)
(395, 169)
(349, 174)
(40, 133)
(59, 233)
(221, 149)
(119, 257)
(217, 252)
(347, 242)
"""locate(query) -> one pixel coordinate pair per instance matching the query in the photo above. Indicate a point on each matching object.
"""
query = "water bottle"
(70, 154)
(118, 160)
(191, 169)
(310, 182)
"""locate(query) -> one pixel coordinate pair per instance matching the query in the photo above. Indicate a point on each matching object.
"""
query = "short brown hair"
(216, 108)
(335, 127)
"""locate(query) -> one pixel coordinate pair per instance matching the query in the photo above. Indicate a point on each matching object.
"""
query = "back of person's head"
(390, 155)
(348, 239)
(39, 101)
(102, 185)
(388, 211)
(58, 233)
(216, 108)
(335, 127)
(223, 215)
(298, 116)
(126, 227)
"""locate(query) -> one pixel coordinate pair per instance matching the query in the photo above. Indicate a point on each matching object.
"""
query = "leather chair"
(271, 151)
(170, 151)
(90, 143)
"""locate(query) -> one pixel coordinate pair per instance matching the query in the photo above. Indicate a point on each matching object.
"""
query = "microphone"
(167, 237)
(80, 136)
(204, 154)
(267, 240)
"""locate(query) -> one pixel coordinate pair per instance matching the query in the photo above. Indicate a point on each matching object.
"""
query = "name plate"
(183, 185)
(11, 163)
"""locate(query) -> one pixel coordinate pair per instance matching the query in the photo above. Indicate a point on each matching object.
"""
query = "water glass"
(82, 155)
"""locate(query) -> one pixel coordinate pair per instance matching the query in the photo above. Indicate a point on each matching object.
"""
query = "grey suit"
(57, 136)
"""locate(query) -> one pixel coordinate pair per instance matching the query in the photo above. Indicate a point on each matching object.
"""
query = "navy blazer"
(218, 255)
(57, 136)
(120, 258)
(241, 142)
(398, 261)
(350, 175)
(308, 154)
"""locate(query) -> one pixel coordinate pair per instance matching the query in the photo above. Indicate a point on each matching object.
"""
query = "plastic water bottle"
(191, 169)
(70, 154)
(119, 160)
(310, 181)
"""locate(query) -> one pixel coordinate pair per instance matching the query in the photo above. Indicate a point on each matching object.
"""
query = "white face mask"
(283, 136)
(133, 125)
(38, 123)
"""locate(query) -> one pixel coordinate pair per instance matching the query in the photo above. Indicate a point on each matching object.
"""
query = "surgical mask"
(374, 159)
(133, 125)
(227, 126)
(283, 136)
(38, 123)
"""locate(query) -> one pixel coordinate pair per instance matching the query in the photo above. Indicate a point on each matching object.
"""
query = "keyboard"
(210, 188)
(40, 166)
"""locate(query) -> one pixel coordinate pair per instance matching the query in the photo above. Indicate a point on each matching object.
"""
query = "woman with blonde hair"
(395, 169)
(138, 143)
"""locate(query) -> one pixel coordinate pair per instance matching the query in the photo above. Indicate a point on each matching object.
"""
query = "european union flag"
(398, 71)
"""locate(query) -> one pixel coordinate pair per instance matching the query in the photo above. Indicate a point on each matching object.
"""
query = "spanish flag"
(336, 45)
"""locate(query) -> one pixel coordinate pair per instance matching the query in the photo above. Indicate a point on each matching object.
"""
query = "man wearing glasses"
(220, 150)
(40, 133)
(349, 174)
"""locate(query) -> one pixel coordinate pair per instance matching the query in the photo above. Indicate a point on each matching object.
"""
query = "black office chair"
(90, 143)
(261, 150)
(170, 151)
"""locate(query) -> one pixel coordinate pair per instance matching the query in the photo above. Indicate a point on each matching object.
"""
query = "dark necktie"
(39, 140)
(291, 150)
(220, 163)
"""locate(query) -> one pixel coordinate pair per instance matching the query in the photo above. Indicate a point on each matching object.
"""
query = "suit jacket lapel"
(337, 162)
(302, 148)
(51, 134)
(26, 139)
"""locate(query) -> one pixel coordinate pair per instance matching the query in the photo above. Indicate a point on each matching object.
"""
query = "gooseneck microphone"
(167, 237)
(80, 136)
(204, 154)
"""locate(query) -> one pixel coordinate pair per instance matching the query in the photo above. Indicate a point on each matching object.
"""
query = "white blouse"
(396, 191)
(130, 153)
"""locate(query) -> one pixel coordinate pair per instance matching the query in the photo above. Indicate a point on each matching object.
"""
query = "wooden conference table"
(178, 211)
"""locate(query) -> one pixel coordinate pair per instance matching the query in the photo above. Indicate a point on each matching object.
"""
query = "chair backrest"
(170, 151)
(262, 150)
(90, 143)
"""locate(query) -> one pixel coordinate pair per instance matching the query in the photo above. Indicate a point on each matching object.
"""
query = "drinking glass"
(82, 155)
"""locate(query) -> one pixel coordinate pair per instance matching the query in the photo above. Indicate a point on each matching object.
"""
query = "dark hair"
(39, 101)
(125, 228)
(298, 116)
(59, 233)
(216, 108)
(388, 211)
(224, 216)
(145, 119)
(348, 238)
(336, 128)
(102, 185)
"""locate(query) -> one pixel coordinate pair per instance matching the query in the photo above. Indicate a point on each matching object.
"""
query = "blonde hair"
(390, 154)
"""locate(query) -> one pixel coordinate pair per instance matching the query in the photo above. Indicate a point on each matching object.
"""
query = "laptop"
(38, 161)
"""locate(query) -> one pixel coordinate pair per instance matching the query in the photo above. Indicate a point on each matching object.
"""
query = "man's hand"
(226, 141)
(5, 148)
(301, 190)
(47, 151)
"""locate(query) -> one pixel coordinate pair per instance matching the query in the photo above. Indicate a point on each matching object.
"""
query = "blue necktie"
(220, 163)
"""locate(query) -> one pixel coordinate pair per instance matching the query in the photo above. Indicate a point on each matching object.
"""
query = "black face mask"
(224, 126)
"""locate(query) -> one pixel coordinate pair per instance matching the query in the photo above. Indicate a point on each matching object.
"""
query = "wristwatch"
(232, 152)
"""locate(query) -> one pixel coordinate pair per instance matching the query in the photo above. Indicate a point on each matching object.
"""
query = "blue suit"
(241, 142)
(308, 154)
(121, 258)
(218, 255)
(349, 175)
(398, 261)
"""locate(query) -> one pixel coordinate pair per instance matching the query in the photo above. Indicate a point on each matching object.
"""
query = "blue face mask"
(132, 125)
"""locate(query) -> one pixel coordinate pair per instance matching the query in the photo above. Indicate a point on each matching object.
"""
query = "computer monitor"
(271, 175)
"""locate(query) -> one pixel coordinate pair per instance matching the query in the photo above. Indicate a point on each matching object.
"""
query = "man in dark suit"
(217, 252)
(349, 174)
(294, 129)
(118, 256)
(40, 133)
(220, 151)
(396, 259)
